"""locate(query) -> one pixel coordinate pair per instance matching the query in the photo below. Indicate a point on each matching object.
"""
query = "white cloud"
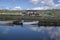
(17, 8)
(7, 8)
(46, 4)
(49, 2)
(41, 8)
(38, 8)
(43, 5)
(13, 8)
(58, 1)
(34, 1)
(43, 1)
(57, 6)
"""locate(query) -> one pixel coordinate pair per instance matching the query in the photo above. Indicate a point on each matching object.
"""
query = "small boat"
(30, 23)
(16, 23)
(5, 22)
(22, 22)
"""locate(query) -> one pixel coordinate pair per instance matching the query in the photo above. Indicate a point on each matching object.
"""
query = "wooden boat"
(6, 22)
(24, 23)
(30, 23)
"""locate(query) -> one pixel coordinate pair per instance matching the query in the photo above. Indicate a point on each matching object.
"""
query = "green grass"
(56, 12)
(49, 12)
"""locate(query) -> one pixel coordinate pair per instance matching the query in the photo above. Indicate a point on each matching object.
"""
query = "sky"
(29, 4)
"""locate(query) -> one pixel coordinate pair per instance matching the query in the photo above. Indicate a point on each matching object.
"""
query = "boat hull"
(30, 23)
(24, 23)
(5, 22)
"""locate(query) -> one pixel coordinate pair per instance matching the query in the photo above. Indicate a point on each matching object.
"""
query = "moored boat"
(5, 22)
(30, 23)
(16, 23)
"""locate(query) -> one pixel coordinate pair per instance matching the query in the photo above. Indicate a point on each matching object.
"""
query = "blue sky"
(29, 4)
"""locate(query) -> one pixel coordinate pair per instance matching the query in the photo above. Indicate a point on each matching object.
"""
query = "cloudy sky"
(30, 4)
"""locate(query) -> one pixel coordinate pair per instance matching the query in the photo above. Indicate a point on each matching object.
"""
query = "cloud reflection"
(53, 32)
(5, 30)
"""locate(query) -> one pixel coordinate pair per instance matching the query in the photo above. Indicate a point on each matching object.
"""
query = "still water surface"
(29, 32)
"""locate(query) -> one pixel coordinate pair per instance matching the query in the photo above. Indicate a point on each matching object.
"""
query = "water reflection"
(53, 32)
(5, 30)
(32, 32)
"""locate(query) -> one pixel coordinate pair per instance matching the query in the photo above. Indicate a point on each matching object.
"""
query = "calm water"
(29, 32)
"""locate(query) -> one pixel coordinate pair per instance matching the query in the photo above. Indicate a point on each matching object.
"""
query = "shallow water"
(29, 32)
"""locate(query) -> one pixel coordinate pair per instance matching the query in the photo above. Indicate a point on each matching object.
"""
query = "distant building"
(31, 13)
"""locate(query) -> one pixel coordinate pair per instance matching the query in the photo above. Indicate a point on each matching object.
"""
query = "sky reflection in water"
(29, 32)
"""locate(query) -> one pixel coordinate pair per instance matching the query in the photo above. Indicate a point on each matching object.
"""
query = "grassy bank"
(47, 20)
(42, 21)
(16, 17)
